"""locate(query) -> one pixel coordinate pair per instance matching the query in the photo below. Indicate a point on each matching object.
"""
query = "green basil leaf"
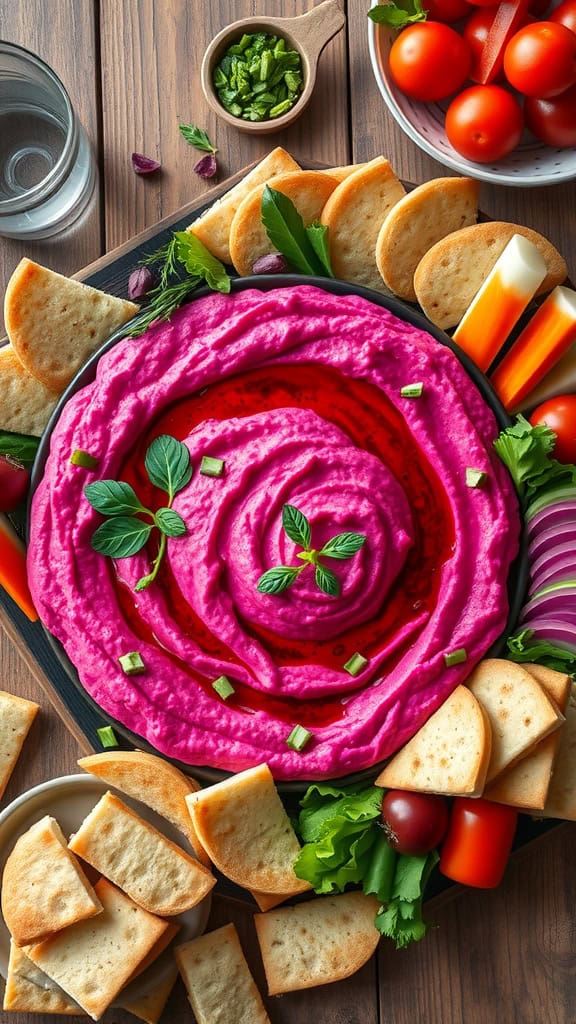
(296, 526)
(327, 581)
(318, 236)
(344, 545)
(21, 447)
(113, 498)
(120, 537)
(399, 14)
(197, 137)
(200, 263)
(170, 522)
(168, 465)
(285, 229)
(275, 580)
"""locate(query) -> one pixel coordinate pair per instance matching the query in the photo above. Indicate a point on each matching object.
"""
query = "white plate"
(69, 799)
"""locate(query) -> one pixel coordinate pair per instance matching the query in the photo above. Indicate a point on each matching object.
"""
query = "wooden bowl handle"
(317, 27)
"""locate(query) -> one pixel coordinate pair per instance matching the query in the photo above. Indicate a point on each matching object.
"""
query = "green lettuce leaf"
(200, 263)
(526, 452)
(401, 918)
(521, 647)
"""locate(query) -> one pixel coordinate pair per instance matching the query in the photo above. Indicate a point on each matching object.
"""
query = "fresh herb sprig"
(183, 252)
(297, 527)
(197, 137)
(398, 14)
(305, 248)
(125, 532)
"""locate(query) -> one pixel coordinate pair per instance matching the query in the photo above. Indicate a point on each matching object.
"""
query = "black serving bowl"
(518, 576)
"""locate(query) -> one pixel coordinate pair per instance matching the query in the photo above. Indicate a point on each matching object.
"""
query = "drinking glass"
(47, 173)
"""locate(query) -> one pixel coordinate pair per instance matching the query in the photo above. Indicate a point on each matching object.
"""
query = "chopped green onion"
(412, 390)
(212, 467)
(107, 737)
(223, 687)
(356, 664)
(298, 738)
(475, 477)
(455, 657)
(84, 459)
(258, 78)
(132, 663)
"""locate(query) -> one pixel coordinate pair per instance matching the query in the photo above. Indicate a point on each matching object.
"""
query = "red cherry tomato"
(484, 123)
(485, 3)
(553, 121)
(560, 415)
(478, 843)
(13, 485)
(447, 10)
(429, 61)
(540, 60)
(565, 14)
(476, 31)
(414, 823)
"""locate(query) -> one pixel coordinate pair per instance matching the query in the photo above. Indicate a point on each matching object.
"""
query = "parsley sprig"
(125, 531)
(182, 254)
(297, 527)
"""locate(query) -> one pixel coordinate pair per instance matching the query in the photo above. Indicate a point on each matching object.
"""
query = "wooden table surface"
(132, 70)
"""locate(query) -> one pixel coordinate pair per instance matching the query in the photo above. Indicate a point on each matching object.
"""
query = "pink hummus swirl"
(275, 455)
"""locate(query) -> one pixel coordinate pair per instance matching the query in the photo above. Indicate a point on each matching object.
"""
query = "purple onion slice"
(144, 164)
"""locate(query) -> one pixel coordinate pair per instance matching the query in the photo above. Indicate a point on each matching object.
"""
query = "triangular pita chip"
(561, 799)
(449, 754)
(318, 941)
(218, 980)
(25, 403)
(29, 990)
(16, 717)
(55, 323)
(243, 826)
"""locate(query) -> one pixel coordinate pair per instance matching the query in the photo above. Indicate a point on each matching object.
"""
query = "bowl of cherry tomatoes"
(487, 88)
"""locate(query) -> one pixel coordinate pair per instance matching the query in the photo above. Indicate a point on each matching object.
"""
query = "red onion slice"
(558, 515)
(553, 537)
(559, 633)
(558, 604)
(556, 564)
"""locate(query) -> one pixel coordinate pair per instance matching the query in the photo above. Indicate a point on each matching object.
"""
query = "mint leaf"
(113, 498)
(200, 263)
(326, 580)
(344, 545)
(168, 465)
(285, 229)
(121, 536)
(318, 237)
(275, 580)
(399, 14)
(197, 137)
(170, 522)
(296, 526)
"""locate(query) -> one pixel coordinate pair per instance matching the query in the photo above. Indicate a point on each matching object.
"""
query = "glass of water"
(47, 173)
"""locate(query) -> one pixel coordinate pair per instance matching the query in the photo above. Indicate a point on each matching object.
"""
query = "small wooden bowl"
(308, 34)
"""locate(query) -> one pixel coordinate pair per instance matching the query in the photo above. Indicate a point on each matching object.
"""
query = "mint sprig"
(297, 527)
(398, 14)
(197, 137)
(125, 531)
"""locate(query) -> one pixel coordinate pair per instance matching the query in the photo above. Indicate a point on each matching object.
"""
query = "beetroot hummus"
(298, 391)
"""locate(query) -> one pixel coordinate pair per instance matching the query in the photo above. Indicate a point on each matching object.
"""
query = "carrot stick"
(547, 336)
(13, 575)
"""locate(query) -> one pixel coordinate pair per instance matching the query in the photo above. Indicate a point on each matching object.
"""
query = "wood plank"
(151, 57)
(551, 210)
(63, 33)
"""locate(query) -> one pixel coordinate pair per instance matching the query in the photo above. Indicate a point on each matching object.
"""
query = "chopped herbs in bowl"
(259, 78)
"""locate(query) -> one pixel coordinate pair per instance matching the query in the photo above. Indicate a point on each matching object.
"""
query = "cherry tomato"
(565, 14)
(478, 843)
(476, 31)
(484, 123)
(414, 823)
(429, 61)
(560, 415)
(13, 485)
(484, 3)
(539, 7)
(447, 10)
(540, 60)
(553, 121)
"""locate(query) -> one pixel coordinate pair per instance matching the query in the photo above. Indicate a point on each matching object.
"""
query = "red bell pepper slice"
(478, 842)
(510, 16)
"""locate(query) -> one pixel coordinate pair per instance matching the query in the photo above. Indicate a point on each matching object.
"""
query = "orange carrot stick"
(547, 336)
(13, 569)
